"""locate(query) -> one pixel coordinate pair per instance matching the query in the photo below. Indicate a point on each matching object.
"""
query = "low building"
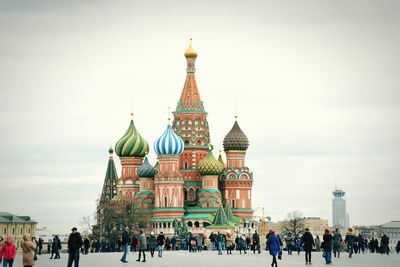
(16, 226)
(392, 230)
(316, 225)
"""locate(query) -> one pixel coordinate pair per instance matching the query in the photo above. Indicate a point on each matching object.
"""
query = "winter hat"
(10, 238)
(273, 231)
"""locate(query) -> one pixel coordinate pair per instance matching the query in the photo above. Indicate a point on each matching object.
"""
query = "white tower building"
(339, 215)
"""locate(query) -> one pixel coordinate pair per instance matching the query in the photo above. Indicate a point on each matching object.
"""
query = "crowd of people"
(330, 244)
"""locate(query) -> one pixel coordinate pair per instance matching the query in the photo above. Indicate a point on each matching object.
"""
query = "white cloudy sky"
(317, 86)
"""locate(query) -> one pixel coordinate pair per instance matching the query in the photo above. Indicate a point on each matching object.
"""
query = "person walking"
(337, 237)
(200, 242)
(385, 244)
(307, 241)
(219, 242)
(125, 244)
(398, 247)
(317, 244)
(229, 244)
(28, 251)
(40, 245)
(349, 240)
(256, 243)
(86, 245)
(274, 247)
(173, 243)
(8, 252)
(327, 247)
(152, 243)
(74, 244)
(160, 244)
(142, 246)
(242, 244)
(289, 243)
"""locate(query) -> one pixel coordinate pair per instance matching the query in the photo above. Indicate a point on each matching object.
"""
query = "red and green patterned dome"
(209, 165)
(132, 144)
(236, 139)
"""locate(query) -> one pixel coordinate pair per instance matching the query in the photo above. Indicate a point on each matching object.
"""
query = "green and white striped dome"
(132, 144)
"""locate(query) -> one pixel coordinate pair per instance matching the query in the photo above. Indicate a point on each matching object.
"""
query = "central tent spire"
(190, 100)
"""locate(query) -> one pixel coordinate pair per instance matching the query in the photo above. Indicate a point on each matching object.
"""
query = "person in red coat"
(8, 252)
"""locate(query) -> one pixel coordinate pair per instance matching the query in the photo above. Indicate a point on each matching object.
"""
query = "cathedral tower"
(236, 181)
(168, 203)
(190, 123)
(131, 149)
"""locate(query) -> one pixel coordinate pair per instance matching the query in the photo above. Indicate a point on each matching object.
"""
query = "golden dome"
(190, 52)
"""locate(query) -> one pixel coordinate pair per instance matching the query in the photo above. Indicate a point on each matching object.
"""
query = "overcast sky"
(317, 85)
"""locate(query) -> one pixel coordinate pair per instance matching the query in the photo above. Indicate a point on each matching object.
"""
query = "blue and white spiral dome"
(169, 143)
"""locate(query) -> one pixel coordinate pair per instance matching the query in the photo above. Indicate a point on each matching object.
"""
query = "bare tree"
(294, 224)
(86, 224)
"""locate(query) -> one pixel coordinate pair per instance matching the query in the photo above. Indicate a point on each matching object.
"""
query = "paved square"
(211, 259)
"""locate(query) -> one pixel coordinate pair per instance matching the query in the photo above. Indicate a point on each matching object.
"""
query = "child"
(8, 251)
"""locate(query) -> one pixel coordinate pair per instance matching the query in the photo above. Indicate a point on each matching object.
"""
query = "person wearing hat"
(274, 246)
(74, 244)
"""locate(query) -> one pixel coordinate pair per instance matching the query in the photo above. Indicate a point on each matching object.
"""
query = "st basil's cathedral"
(187, 183)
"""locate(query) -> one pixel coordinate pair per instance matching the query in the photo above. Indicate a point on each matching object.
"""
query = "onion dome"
(190, 52)
(169, 143)
(236, 139)
(119, 199)
(132, 144)
(146, 170)
(209, 165)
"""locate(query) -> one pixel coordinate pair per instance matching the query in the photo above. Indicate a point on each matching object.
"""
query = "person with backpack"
(337, 237)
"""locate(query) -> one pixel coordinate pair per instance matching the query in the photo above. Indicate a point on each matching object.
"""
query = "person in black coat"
(307, 240)
(74, 244)
(327, 246)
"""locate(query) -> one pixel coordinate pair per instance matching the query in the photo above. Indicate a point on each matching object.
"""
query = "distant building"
(392, 230)
(16, 226)
(316, 225)
(339, 215)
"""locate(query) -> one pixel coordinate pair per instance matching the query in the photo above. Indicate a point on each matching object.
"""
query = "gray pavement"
(211, 259)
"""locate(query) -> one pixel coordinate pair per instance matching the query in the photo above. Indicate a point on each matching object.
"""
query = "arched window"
(190, 224)
(198, 142)
(186, 165)
(186, 142)
(185, 193)
(196, 224)
(205, 224)
(165, 202)
(233, 204)
(164, 225)
(191, 193)
(169, 225)
(197, 194)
